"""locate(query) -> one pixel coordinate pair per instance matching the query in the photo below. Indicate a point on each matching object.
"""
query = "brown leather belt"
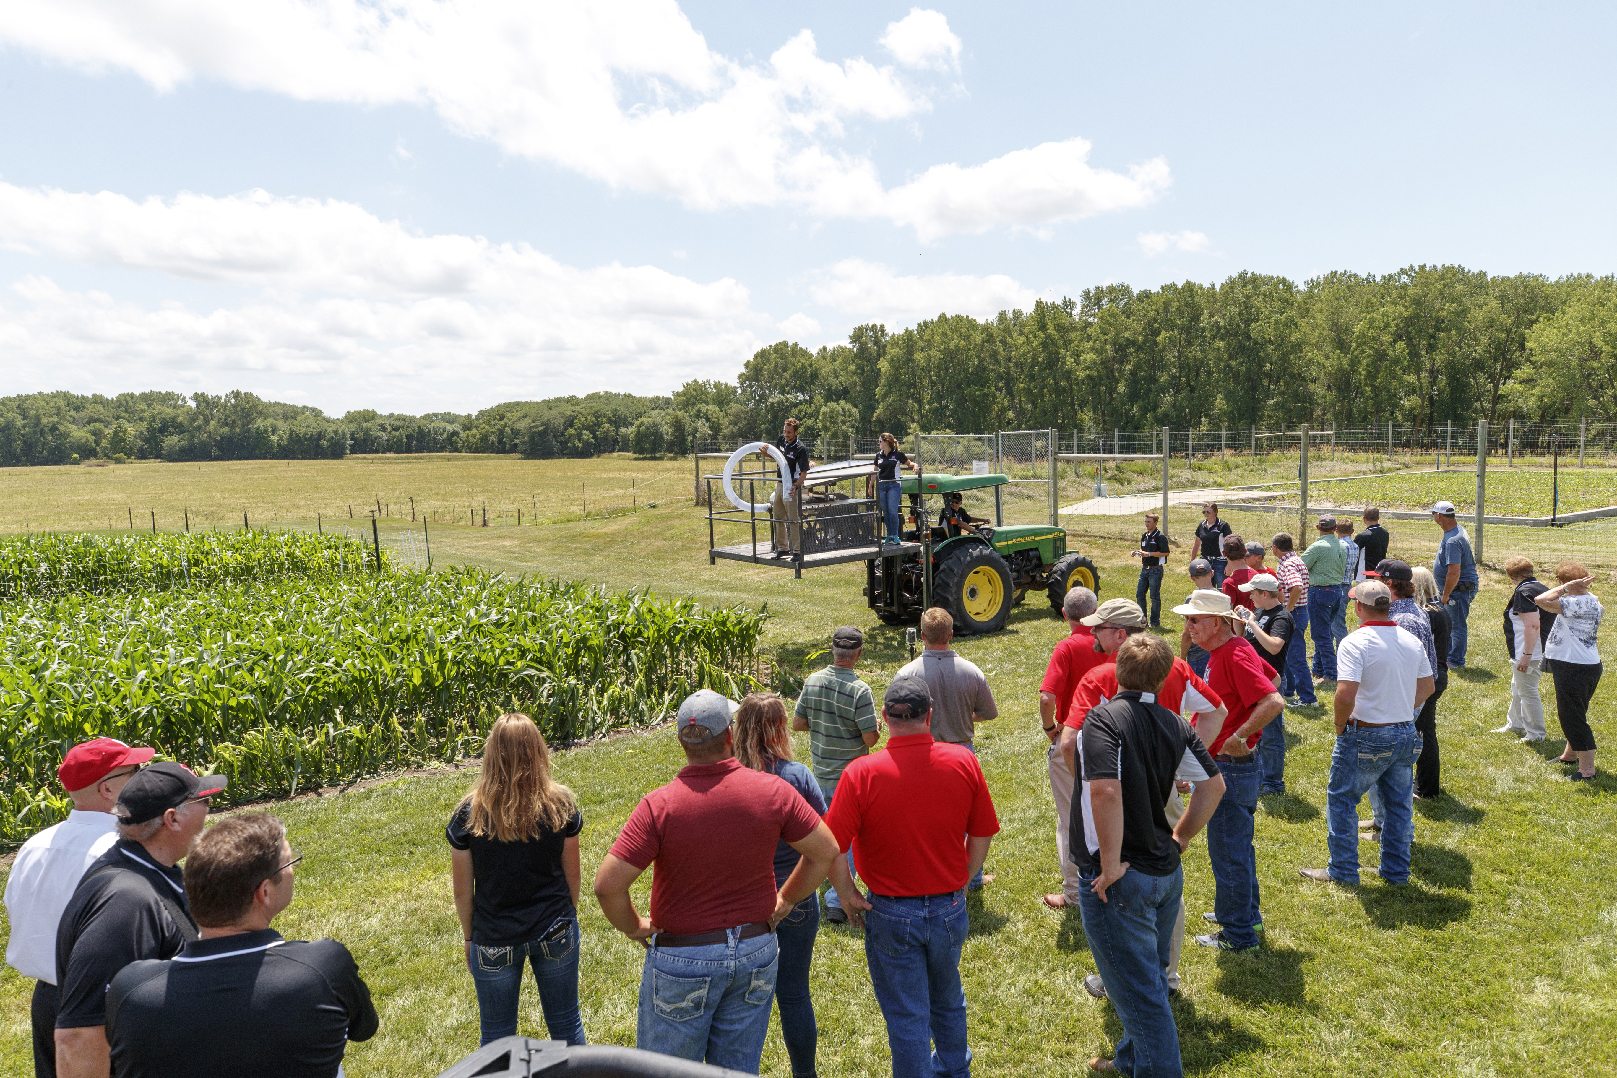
(707, 939)
(1376, 725)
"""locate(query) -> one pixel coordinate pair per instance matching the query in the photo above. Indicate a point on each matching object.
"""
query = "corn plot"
(287, 685)
(54, 564)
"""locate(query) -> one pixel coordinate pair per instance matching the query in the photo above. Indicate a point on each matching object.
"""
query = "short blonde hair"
(1518, 568)
(1143, 663)
(1426, 584)
(936, 625)
(1570, 570)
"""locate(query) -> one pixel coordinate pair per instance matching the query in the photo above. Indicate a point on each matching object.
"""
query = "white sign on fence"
(980, 467)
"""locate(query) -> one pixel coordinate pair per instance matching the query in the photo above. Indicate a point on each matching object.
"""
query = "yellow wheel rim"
(983, 594)
(1080, 578)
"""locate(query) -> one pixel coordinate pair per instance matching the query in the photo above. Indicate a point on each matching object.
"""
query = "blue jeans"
(889, 497)
(1197, 660)
(1459, 610)
(1131, 936)
(912, 946)
(1219, 567)
(497, 976)
(795, 937)
(1339, 627)
(832, 902)
(1229, 848)
(709, 1004)
(1294, 679)
(1150, 578)
(1271, 752)
(1324, 604)
(1365, 758)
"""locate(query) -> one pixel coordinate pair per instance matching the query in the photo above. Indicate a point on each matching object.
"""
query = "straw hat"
(1205, 601)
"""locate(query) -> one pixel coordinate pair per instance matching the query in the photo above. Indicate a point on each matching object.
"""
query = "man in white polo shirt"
(1383, 678)
(50, 865)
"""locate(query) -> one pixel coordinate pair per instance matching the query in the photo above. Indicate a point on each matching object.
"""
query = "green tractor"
(977, 578)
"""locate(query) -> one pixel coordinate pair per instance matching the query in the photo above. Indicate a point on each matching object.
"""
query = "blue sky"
(430, 205)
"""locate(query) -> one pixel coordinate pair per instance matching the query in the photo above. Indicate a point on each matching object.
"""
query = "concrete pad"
(1130, 504)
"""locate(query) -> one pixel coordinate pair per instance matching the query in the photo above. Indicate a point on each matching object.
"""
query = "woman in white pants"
(1526, 630)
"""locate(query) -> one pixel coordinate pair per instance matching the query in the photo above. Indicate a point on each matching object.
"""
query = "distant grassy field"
(1499, 959)
(1511, 492)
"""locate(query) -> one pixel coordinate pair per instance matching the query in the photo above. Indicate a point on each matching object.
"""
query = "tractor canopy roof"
(938, 483)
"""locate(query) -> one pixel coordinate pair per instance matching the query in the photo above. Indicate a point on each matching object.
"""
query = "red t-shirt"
(904, 811)
(1181, 686)
(1241, 677)
(712, 834)
(1232, 587)
(1072, 659)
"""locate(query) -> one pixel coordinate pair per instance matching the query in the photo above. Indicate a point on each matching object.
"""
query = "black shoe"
(836, 916)
(1095, 986)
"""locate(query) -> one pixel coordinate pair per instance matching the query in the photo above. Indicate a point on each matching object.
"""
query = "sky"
(439, 205)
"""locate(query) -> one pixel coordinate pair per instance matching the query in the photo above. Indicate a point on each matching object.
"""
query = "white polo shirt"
(1386, 660)
(43, 877)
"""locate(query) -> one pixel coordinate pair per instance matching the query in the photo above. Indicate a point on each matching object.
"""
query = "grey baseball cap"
(1255, 550)
(1326, 520)
(707, 709)
(1261, 582)
(1200, 567)
(848, 637)
(907, 698)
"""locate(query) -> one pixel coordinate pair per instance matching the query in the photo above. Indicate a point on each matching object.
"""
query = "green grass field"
(1500, 958)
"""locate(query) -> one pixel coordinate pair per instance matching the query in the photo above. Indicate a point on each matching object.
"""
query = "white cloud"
(923, 39)
(870, 291)
(799, 325)
(626, 93)
(348, 308)
(1155, 243)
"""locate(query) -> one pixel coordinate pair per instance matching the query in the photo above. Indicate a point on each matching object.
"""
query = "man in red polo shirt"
(1072, 659)
(903, 812)
(1245, 683)
(709, 978)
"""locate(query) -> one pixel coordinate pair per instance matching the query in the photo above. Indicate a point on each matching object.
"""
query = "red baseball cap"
(90, 762)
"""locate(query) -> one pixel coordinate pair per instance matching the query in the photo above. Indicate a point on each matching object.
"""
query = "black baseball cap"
(848, 637)
(159, 787)
(907, 698)
(1393, 569)
(1200, 567)
(1255, 550)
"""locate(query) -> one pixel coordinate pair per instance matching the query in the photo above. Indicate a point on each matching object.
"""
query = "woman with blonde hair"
(1573, 656)
(514, 861)
(763, 742)
(1428, 765)
(888, 461)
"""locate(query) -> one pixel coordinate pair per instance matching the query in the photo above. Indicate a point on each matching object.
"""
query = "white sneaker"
(1505, 730)
(1525, 740)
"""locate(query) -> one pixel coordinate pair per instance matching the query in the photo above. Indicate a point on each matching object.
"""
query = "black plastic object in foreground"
(519, 1057)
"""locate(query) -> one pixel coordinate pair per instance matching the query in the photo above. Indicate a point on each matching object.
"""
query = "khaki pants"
(1061, 791)
(1174, 809)
(783, 508)
(1526, 714)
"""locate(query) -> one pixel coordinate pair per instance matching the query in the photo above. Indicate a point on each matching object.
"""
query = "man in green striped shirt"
(839, 712)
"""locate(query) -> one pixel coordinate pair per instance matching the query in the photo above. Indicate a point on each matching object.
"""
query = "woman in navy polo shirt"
(514, 857)
(888, 485)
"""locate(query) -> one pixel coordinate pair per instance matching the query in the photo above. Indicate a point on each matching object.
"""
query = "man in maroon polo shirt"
(906, 810)
(1072, 659)
(709, 979)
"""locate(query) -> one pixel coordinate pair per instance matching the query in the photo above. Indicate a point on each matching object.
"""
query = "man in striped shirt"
(839, 712)
(1292, 572)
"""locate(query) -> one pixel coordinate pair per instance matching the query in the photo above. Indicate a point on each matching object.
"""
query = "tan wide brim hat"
(1204, 602)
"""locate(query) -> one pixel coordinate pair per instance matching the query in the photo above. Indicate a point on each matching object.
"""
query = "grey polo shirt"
(958, 689)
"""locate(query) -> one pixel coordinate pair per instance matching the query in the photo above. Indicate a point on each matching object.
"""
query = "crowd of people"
(146, 968)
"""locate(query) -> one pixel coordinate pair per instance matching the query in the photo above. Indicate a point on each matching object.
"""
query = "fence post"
(1055, 498)
(1482, 485)
(376, 537)
(1583, 432)
(1254, 443)
(1302, 478)
(1510, 442)
(1389, 441)
(1164, 522)
(154, 522)
(427, 539)
(1223, 442)
(1450, 453)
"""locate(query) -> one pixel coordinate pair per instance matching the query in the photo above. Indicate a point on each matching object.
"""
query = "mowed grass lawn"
(1500, 958)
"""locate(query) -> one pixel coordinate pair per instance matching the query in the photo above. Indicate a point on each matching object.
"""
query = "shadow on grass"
(1397, 905)
(1205, 1041)
(1474, 675)
(1269, 975)
(1440, 866)
(1288, 807)
(1449, 809)
(984, 921)
(1070, 936)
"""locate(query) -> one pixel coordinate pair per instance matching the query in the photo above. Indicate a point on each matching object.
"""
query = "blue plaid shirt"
(1408, 614)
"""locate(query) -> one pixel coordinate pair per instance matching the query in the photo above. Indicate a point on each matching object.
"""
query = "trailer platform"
(762, 554)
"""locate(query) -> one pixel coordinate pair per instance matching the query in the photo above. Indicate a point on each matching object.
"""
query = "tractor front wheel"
(1071, 571)
(974, 585)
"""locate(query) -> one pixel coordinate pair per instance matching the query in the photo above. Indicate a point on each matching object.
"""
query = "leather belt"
(1226, 758)
(941, 894)
(707, 939)
(1375, 725)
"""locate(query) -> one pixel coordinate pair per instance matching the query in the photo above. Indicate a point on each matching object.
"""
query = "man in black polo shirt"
(241, 1000)
(1131, 749)
(783, 503)
(1153, 555)
(1271, 629)
(130, 905)
(1373, 540)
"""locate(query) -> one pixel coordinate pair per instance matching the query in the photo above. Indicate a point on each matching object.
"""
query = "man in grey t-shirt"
(960, 693)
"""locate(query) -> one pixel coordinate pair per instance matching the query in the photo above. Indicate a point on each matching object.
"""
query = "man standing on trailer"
(783, 503)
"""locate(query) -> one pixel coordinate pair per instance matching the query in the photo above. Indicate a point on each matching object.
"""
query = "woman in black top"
(1428, 766)
(514, 858)
(888, 486)
(1211, 533)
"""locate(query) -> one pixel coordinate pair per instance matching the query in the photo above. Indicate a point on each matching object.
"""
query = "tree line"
(1420, 347)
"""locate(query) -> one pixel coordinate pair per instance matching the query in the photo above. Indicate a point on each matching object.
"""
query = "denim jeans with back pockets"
(1459, 613)
(709, 1004)
(912, 946)
(795, 934)
(1230, 851)
(890, 495)
(497, 976)
(1365, 758)
(1131, 938)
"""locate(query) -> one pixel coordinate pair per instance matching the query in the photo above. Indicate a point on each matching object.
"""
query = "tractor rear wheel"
(974, 585)
(1071, 571)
